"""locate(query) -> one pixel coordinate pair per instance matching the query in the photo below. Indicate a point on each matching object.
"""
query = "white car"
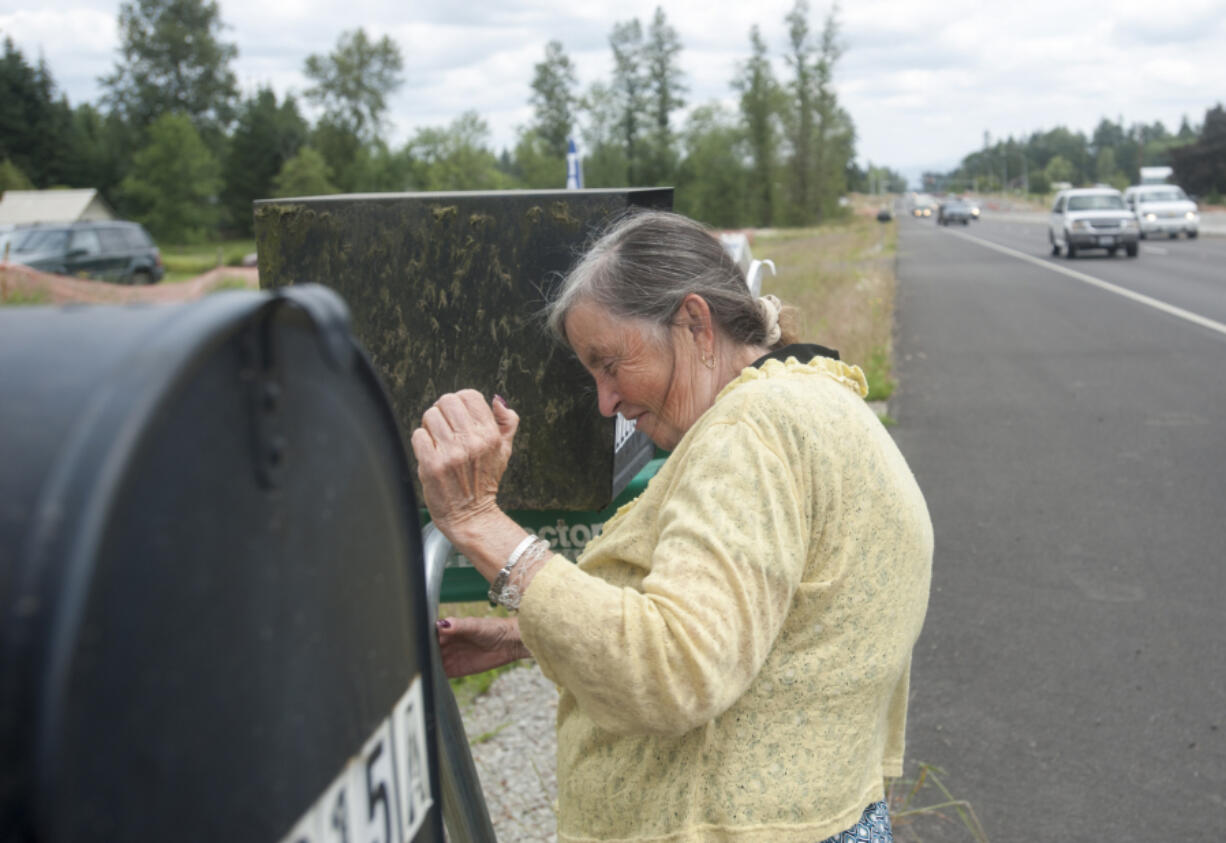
(1091, 218)
(1163, 209)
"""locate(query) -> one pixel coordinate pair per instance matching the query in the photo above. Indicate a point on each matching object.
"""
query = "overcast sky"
(922, 80)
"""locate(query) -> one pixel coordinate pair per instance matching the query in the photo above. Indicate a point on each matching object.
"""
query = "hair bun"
(769, 306)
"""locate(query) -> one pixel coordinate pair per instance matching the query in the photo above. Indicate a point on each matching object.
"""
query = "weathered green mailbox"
(447, 291)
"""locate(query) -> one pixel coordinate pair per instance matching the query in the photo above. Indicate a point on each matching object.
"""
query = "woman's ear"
(698, 319)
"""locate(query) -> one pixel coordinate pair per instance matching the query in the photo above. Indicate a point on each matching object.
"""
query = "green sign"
(567, 533)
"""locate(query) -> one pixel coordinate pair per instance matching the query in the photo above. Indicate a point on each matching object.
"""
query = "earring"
(709, 361)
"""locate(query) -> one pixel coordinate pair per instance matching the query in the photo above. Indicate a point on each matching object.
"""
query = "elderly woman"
(733, 651)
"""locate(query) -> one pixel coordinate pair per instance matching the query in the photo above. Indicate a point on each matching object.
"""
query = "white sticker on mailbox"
(383, 794)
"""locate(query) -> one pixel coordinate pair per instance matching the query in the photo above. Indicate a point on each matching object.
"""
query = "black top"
(802, 351)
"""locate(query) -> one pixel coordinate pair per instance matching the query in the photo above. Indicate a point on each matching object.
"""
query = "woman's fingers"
(506, 418)
(462, 449)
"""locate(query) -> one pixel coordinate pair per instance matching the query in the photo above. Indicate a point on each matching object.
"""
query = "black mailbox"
(446, 291)
(211, 596)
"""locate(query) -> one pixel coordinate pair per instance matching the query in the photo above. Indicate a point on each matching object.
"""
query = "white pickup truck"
(1163, 209)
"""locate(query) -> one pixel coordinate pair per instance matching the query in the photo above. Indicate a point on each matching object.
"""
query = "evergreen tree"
(266, 135)
(664, 88)
(1201, 166)
(760, 104)
(102, 146)
(800, 114)
(553, 101)
(630, 94)
(173, 59)
(834, 133)
(34, 125)
(173, 185)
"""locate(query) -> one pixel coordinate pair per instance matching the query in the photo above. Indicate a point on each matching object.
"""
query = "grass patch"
(840, 277)
(944, 816)
(230, 283)
(185, 262)
(16, 298)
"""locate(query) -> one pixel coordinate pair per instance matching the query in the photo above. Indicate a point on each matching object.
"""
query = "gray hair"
(646, 262)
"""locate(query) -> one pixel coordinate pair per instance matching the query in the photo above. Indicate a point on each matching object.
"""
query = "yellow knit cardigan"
(733, 651)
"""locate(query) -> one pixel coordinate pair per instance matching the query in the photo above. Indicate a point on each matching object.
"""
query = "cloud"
(77, 43)
(922, 80)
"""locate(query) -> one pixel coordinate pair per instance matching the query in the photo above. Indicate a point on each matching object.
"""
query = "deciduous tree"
(12, 178)
(605, 163)
(712, 179)
(172, 188)
(354, 81)
(304, 174)
(173, 59)
(456, 157)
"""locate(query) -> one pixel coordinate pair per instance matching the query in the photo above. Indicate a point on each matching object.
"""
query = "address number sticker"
(383, 794)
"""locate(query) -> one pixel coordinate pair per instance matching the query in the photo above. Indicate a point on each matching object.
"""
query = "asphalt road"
(1069, 432)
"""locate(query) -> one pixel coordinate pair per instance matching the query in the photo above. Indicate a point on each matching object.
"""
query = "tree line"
(1113, 154)
(172, 143)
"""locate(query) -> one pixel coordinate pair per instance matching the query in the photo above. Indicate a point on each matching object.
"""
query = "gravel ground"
(511, 730)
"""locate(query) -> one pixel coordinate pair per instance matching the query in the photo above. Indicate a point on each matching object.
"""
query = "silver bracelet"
(500, 581)
(514, 590)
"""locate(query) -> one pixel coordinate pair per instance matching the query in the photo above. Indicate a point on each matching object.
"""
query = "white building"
(19, 207)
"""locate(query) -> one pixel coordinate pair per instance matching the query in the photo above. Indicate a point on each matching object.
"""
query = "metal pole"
(464, 811)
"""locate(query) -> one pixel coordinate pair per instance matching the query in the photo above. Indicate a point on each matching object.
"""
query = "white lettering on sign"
(383, 793)
(566, 539)
(623, 429)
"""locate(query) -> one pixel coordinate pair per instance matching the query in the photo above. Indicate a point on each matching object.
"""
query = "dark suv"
(109, 251)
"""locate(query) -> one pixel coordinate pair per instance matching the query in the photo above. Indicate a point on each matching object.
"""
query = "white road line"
(1157, 250)
(1179, 312)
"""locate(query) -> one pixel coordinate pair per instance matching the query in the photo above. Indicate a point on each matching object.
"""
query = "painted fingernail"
(501, 401)
(443, 624)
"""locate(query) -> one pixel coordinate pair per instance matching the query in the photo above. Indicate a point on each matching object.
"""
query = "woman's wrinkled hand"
(462, 449)
(475, 645)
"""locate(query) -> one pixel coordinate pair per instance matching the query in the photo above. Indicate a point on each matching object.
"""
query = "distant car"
(922, 211)
(1163, 209)
(954, 211)
(1091, 218)
(975, 210)
(884, 215)
(117, 251)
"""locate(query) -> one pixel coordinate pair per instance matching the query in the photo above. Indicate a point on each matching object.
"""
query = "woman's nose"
(609, 400)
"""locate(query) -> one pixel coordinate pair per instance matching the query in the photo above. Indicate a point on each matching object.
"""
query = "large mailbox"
(213, 621)
(447, 291)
